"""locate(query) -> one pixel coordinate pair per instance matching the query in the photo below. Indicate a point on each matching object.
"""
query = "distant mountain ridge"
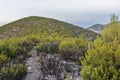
(97, 28)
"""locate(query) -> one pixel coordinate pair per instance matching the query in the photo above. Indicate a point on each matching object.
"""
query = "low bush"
(70, 54)
(2, 58)
(42, 47)
(28, 45)
(10, 48)
(68, 43)
(50, 47)
(73, 48)
(15, 72)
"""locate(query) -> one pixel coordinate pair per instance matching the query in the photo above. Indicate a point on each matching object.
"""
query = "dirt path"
(33, 67)
(51, 68)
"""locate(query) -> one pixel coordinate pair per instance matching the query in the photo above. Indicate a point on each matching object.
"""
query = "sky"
(83, 13)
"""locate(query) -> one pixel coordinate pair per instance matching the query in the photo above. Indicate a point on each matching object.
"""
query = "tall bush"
(102, 61)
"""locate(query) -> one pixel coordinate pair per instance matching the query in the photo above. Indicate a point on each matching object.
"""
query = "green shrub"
(53, 47)
(68, 43)
(50, 47)
(70, 54)
(28, 45)
(2, 58)
(8, 48)
(29, 54)
(102, 61)
(73, 48)
(15, 72)
(68, 77)
(42, 47)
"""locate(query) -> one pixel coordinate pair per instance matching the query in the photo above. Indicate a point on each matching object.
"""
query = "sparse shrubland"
(47, 35)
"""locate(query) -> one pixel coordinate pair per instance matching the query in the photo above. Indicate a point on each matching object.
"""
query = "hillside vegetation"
(38, 25)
